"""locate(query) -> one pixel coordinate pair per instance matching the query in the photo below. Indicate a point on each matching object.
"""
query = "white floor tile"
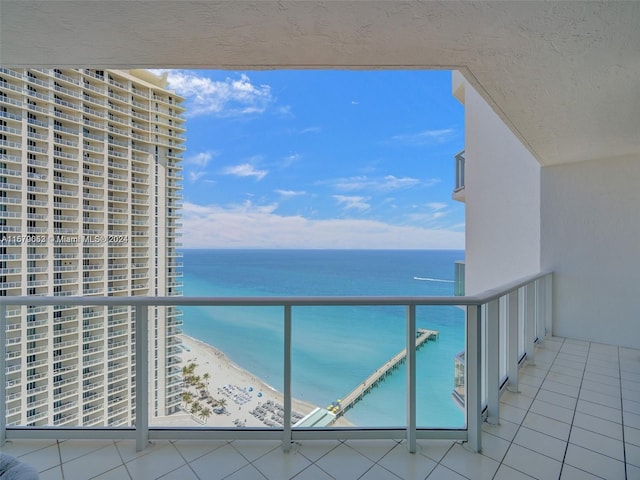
(406, 465)
(505, 430)
(249, 472)
(433, 449)
(315, 449)
(42, 459)
(505, 472)
(568, 371)
(313, 473)
(631, 376)
(531, 380)
(182, 473)
(469, 464)
(378, 473)
(517, 400)
(443, 473)
(541, 443)
(570, 472)
(157, 463)
(373, 449)
(608, 371)
(546, 425)
(604, 379)
(97, 462)
(630, 385)
(600, 411)
(557, 399)
(344, 462)
(511, 414)
(563, 388)
(526, 460)
(598, 443)
(276, 464)
(633, 472)
(600, 388)
(600, 465)
(564, 379)
(192, 449)
(71, 449)
(55, 473)
(598, 425)
(546, 409)
(254, 449)
(18, 448)
(494, 447)
(632, 420)
(118, 473)
(631, 406)
(611, 401)
(632, 435)
(632, 454)
(219, 463)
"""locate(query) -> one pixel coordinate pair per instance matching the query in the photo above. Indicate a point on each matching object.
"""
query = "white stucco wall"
(591, 240)
(502, 188)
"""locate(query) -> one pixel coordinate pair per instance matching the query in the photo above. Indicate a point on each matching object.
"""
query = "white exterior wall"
(591, 240)
(502, 188)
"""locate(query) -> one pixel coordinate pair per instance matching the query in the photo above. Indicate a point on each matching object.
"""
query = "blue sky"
(320, 159)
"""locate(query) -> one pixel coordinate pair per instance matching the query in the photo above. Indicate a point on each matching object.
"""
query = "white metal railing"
(485, 320)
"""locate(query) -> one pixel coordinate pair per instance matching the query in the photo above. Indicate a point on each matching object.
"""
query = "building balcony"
(458, 191)
(557, 416)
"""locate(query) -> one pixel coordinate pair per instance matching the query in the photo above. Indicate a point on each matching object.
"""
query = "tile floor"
(577, 416)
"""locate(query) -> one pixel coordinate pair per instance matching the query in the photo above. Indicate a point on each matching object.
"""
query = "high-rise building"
(90, 170)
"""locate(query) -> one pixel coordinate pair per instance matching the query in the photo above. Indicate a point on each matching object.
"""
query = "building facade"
(90, 170)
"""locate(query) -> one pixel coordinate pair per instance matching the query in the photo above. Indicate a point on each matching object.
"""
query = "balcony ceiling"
(565, 76)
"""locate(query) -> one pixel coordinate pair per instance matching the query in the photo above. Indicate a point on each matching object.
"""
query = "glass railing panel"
(66, 367)
(348, 367)
(230, 363)
(440, 388)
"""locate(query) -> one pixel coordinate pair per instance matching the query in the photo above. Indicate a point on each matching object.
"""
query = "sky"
(320, 159)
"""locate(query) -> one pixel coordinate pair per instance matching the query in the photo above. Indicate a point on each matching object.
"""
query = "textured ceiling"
(565, 76)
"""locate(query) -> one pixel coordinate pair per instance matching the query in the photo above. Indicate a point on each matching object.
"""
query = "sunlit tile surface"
(577, 416)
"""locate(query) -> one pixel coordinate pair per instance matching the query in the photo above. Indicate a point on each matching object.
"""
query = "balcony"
(557, 411)
(458, 191)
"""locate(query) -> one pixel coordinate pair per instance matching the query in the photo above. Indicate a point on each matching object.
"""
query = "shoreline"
(249, 400)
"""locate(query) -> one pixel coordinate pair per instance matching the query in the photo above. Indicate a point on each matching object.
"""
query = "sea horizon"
(334, 348)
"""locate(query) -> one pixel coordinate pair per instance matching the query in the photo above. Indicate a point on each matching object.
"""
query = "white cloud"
(253, 226)
(290, 193)
(435, 206)
(311, 130)
(353, 202)
(195, 176)
(200, 159)
(425, 137)
(388, 183)
(245, 170)
(290, 159)
(228, 97)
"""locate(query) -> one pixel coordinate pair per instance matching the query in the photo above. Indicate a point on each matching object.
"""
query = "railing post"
(530, 323)
(142, 376)
(411, 378)
(3, 372)
(286, 433)
(548, 304)
(540, 312)
(493, 362)
(512, 340)
(474, 378)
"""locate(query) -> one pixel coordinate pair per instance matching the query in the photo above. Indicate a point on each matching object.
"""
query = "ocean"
(334, 348)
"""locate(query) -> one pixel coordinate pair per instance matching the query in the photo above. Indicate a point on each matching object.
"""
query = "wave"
(426, 279)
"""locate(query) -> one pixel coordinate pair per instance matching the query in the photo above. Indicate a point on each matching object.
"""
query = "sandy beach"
(250, 402)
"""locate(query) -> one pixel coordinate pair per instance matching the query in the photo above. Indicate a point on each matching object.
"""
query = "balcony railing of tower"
(502, 328)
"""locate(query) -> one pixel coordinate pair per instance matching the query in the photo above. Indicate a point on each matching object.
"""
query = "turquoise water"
(334, 348)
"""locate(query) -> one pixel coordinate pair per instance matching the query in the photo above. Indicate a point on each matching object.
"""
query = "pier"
(341, 406)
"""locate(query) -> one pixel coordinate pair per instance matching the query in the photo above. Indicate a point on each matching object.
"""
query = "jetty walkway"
(341, 406)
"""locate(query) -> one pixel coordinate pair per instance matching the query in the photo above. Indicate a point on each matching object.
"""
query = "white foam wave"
(426, 279)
